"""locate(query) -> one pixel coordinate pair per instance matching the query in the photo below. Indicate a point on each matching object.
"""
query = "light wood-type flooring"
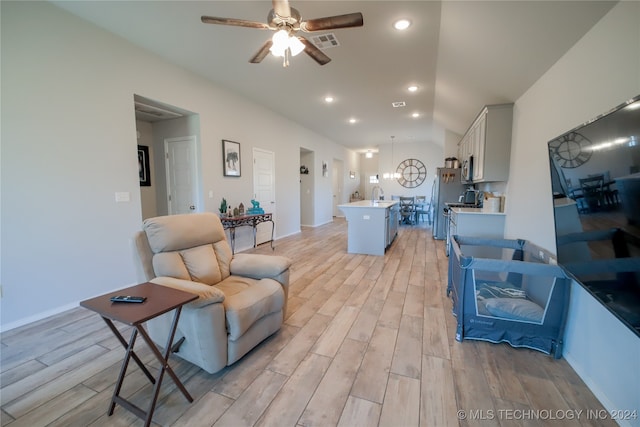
(369, 341)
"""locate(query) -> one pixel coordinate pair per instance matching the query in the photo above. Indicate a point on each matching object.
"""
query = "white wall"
(601, 71)
(430, 154)
(69, 144)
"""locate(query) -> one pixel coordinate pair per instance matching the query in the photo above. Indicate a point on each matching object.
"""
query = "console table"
(160, 300)
(231, 223)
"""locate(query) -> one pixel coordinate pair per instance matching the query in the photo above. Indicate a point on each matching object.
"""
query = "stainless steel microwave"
(467, 170)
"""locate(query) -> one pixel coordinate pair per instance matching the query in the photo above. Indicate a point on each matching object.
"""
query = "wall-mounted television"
(595, 179)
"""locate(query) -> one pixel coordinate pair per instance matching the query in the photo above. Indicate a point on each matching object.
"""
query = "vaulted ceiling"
(461, 55)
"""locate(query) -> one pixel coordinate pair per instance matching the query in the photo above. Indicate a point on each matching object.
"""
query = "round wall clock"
(571, 150)
(412, 173)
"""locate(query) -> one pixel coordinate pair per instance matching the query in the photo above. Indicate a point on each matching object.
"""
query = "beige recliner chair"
(242, 298)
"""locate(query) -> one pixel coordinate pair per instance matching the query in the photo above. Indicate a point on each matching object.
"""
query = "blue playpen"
(508, 291)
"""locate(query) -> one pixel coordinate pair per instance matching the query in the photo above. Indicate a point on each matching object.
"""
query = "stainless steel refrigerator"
(447, 187)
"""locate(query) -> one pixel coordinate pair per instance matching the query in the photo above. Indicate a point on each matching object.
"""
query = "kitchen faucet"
(380, 193)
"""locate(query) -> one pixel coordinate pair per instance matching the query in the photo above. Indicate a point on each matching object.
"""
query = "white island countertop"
(475, 211)
(370, 204)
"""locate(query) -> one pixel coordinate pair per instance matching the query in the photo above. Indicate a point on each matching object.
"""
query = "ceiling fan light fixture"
(283, 41)
(295, 45)
(280, 43)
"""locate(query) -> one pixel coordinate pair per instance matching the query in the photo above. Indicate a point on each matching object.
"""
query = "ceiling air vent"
(325, 41)
(398, 104)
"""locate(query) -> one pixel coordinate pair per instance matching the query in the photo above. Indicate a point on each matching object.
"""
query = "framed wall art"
(231, 158)
(143, 166)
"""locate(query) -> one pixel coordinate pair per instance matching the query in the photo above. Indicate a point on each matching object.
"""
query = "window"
(373, 179)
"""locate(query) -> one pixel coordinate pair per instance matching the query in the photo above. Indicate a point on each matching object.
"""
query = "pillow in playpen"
(515, 309)
(487, 289)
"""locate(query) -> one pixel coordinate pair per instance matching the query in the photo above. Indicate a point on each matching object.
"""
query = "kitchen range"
(449, 191)
(459, 209)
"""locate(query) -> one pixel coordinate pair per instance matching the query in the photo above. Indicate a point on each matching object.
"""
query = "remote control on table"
(128, 298)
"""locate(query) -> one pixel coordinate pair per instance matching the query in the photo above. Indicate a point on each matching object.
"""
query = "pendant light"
(394, 174)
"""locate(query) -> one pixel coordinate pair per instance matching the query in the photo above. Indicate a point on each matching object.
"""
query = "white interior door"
(264, 189)
(336, 184)
(182, 174)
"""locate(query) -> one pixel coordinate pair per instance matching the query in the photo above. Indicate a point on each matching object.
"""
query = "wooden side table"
(160, 300)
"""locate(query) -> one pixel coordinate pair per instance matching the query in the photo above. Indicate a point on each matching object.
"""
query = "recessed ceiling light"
(352, 120)
(402, 24)
(328, 99)
(412, 88)
(415, 115)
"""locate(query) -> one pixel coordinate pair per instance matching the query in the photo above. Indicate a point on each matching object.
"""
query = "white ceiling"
(462, 55)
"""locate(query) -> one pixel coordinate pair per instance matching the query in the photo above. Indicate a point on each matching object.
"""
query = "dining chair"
(407, 210)
(593, 192)
(575, 193)
(610, 192)
(423, 208)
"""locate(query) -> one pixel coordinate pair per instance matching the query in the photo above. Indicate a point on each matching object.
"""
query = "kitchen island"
(371, 225)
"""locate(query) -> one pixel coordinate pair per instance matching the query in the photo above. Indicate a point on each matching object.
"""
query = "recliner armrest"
(257, 266)
(206, 294)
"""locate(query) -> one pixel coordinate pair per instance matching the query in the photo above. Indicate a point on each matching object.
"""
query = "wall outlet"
(366, 217)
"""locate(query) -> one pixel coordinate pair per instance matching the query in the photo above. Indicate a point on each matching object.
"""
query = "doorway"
(307, 183)
(264, 191)
(337, 186)
(157, 122)
(182, 175)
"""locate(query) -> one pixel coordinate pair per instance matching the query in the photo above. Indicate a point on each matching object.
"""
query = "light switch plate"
(123, 196)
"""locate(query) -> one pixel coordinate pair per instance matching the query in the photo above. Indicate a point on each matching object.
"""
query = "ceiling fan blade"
(282, 8)
(314, 52)
(262, 52)
(332, 22)
(234, 22)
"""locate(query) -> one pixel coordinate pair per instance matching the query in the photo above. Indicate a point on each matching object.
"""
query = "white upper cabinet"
(488, 142)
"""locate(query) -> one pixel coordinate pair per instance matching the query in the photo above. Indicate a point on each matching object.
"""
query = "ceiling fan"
(286, 22)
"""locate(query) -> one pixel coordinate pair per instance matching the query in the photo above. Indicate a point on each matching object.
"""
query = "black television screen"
(595, 179)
